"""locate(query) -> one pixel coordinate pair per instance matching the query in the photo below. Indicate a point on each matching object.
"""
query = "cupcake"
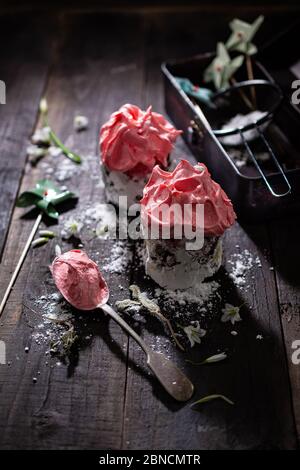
(168, 261)
(132, 142)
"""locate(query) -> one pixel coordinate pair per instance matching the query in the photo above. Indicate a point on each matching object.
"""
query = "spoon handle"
(171, 378)
(113, 314)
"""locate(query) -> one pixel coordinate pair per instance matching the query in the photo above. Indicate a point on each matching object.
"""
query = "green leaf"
(39, 242)
(222, 53)
(48, 208)
(28, 198)
(252, 49)
(47, 233)
(212, 397)
(64, 196)
(255, 26)
(230, 70)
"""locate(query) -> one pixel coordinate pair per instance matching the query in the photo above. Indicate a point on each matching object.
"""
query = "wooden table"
(93, 63)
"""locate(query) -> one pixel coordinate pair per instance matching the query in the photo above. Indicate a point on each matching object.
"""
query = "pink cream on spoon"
(80, 281)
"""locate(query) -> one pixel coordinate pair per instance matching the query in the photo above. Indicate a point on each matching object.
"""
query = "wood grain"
(84, 408)
(105, 397)
(26, 53)
(256, 370)
(286, 259)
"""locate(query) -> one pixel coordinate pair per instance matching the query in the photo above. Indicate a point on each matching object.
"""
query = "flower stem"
(71, 155)
(56, 140)
(242, 95)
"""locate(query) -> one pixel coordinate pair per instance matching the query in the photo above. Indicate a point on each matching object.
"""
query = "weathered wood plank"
(25, 59)
(254, 376)
(286, 259)
(80, 406)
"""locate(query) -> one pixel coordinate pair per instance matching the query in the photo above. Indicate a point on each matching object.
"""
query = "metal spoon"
(169, 375)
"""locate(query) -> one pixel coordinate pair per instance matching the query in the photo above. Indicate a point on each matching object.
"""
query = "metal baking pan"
(245, 186)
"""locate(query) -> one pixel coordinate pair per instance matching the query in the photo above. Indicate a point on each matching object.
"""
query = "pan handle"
(258, 167)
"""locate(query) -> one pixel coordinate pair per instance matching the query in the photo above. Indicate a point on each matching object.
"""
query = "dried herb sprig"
(140, 298)
(154, 309)
(68, 339)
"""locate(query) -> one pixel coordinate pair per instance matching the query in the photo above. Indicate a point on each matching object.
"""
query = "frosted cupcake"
(132, 142)
(168, 261)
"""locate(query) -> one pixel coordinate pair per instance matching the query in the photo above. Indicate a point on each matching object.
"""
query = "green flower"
(242, 35)
(222, 68)
(45, 196)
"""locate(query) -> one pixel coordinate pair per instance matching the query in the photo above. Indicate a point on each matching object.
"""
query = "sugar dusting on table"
(240, 264)
(119, 258)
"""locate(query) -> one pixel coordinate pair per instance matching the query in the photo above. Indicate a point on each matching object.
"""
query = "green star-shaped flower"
(45, 196)
(242, 35)
(222, 67)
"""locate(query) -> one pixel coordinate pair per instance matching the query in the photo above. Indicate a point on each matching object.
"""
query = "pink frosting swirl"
(188, 184)
(133, 141)
(79, 280)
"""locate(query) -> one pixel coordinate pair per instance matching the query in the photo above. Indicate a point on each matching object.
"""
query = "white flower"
(41, 136)
(81, 123)
(71, 228)
(54, 151)
(35, 153)
(194, 333)
(43, 106)
(231, 313)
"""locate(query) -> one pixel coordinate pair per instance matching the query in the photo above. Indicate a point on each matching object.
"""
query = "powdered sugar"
(119, 258)
(200, 295)
(54, 313)
(241, 263)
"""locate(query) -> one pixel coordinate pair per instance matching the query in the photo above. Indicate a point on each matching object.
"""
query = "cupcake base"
(119, 184)
(171, 266)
